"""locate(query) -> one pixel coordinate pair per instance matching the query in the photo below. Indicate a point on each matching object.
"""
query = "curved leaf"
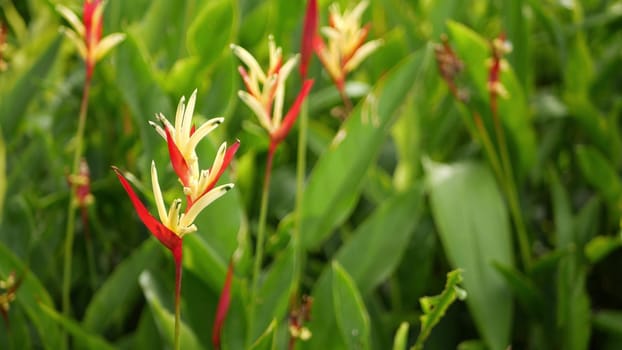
(473, 224)
(163, 318)
(352, 317)
(110, 302)
(29, 296)
(217, 20)
(336, 180)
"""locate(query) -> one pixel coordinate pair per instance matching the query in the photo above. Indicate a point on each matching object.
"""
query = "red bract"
(223, 307)
(93, 26)
(309, 34)
(161, 232)
(495, 88)
(177, 159)
(290, 118)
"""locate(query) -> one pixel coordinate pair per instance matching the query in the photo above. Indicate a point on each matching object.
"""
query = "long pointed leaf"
(473, 224)
(336, 180)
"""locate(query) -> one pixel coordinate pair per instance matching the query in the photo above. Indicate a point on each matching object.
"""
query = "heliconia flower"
(223, 307)
(87, 34)
(168, 238)
(500, 47)
(174, 223)
(182, 139)
(82, 181)
(266, 91)
(8, 290)
(450, 66)
(298, 316)
(84, 197)
(346, 47)
(309, 33)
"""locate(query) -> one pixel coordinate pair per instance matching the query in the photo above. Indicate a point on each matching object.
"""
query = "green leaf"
(401, 337)
(352, 317)
(146, 334)
(397, 217)
(600, 247)
(139, 87)
(15, 98)
(274, 292)
(202, 259)
(599, 172)
(2, 174)
(578, 73)
(525, 290)
(18, 336)
(562, 212)
(267, 340)
(213, 30)
(517, 33)
(336, 180)
(111, 302)
(609, 321)
(434, 308)
(513, 111)
(164, 319)
(573, 305)
(473, 50)
(473, 224)
(82, 336)
(30, 295)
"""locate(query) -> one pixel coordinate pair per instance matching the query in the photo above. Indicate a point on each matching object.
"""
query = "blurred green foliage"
(396, 196)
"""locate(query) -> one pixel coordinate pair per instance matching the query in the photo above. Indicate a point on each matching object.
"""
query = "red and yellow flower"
(86, 34)
(265, 91)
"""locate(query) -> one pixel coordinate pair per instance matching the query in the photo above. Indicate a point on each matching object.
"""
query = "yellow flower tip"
(107, 44)
(498, 89)
(72, 18)
(502, 46)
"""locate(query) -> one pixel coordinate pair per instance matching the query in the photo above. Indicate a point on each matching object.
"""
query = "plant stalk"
(261, 237)
(512, 192)
(301, 165)
(178, 270)
(71, 210)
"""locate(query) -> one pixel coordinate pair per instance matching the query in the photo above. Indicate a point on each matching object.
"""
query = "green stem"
(490, 150)
(178, 270)
(261, 237)
(512, 193)
(301, 166)
(88, 241)
(71, 210)
(347, 103)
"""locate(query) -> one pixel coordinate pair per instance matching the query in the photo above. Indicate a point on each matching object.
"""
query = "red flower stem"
(71, 210)
(261, 237)
(177, 254)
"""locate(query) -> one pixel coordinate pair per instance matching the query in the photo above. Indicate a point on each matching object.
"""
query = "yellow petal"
(362, 53)
(72, 18)
(107, 43)
(77, 42)
(157, 193)
(256, 107)
(203, 202)
(203, 130)
(250, 62)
